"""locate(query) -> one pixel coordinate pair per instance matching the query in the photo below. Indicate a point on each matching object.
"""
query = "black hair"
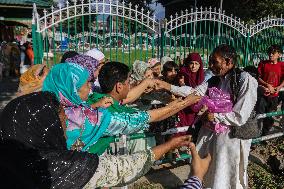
(169, 66)
(252, 70)
(274, 48)
(68, 54)
(111, 73)
(227, 52)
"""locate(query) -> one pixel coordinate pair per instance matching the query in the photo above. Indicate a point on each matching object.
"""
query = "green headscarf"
(67, 79)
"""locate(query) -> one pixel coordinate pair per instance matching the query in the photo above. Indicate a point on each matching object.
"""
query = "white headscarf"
(96, 54)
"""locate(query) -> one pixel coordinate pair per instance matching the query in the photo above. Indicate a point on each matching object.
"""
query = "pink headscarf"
(152, 62)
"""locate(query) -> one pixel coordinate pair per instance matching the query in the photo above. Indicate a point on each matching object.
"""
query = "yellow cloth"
(30, 81)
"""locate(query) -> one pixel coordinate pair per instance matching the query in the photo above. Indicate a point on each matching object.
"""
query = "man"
(230, 155)
(228, 168)
(270, 75)
(114, 81)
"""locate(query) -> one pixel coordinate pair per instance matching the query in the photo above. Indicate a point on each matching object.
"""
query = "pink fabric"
(217, 102)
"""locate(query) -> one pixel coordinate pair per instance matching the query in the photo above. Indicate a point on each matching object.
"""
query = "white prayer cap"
(96, 54)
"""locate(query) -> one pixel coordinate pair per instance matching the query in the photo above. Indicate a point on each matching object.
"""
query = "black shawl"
(33, 147)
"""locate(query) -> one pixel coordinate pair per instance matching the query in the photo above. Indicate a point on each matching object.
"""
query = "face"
(171, 75)
(84, 91)
(181, 81)
(157, 70)
(194, 66)
(219, 66)
(148, 74)
(123, 89)
(274, 56)
(96, 73)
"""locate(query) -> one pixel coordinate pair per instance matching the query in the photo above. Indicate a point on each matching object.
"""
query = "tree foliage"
(248, 10)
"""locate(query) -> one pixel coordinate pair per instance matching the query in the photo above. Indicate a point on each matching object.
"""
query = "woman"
(155, 66)
(35, 154)
(140, 71)
(85, 126)
(88, 63)
(193, 75)
(169, 73)
(32, 79)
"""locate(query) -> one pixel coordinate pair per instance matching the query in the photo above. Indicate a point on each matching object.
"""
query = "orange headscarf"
(30, 81)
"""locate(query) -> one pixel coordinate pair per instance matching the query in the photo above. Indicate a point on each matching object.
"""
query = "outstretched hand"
(199, 166)
(105, 102)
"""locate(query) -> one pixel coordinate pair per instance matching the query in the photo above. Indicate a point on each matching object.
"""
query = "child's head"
(181, 81)
(157, 69)
(274, 52)
(170, 70)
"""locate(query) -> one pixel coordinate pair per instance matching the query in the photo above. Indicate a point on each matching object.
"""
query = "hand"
(199, 166)
(150, 83)
(202, 110)
(210, 116)
(105, 102)
(162, 85)
(277, 89)
(271, 89)
(192, 99)
(177, 142)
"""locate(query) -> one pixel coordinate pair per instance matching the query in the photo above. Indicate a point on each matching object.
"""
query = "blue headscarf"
(66, 79)
(84, 124)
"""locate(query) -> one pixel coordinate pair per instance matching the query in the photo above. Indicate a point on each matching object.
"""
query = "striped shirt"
(192, 183)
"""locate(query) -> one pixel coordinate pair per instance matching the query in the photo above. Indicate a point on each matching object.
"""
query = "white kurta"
(228, 168)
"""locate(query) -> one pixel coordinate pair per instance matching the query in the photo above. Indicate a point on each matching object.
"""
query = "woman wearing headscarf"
(100, 57)
(193, 75)
(34, 153)
(88, 63)
(155, 66)
(32, 79)
(139, 72)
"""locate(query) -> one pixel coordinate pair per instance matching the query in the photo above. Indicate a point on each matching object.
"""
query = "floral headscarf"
(138, 70)
(152, 62)
(84, 124)
(87, 62)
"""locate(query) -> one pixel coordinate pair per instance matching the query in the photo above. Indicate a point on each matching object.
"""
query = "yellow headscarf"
(30, 81)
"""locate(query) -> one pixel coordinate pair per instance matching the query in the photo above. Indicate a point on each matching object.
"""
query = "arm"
(171, 109)
(183, 90)
(245, 103)
(137, 91)
(260, 76)
(199, 168)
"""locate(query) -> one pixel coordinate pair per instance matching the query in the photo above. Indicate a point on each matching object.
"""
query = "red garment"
(187, 116)
(270, 73)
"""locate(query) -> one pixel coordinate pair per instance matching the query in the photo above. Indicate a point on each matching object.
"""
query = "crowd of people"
(15, 58)
(55, 134)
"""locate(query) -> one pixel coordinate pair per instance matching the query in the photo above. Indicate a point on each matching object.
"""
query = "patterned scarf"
(86, 62)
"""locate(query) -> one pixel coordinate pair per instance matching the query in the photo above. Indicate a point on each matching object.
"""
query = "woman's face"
(148, 74)
(157, 70)
(84, 91)
(194, 66)
(171, 75)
